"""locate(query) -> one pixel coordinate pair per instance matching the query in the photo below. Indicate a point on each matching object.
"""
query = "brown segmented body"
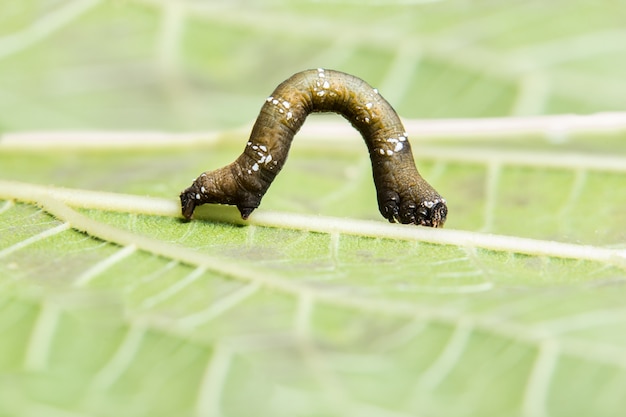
(403, 195)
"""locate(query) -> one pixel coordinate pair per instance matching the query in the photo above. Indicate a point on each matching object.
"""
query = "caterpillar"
(403, 195)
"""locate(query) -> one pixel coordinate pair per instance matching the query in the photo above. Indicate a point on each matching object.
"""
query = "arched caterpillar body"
(403, 195)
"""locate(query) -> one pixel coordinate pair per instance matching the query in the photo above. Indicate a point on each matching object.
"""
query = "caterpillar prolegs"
(403, 195)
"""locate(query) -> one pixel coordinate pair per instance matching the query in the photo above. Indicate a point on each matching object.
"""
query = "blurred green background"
(203, 65)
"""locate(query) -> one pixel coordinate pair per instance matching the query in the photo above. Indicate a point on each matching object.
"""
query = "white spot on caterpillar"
(274, 101)
(255, 147)
(197, 196)
(376, 91)
(428, 204)
(320, 72)
(286, 104)
(320, 93)
(398, 147)
(369, 105)
(281, 111)
(405, 134)
(389, 152)
(268, 159)
(392, 140)
(263, 148)
(402, 138)
(269, 99)
(203, 190)
(381, 151)
(255, 167)
(326, 84)
(367, 120)
(249, 143)
(289, 115)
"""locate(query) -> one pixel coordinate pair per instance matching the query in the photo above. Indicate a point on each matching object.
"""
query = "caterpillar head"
(188, 202)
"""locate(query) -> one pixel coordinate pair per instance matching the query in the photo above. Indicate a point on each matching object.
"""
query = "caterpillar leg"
(408, 208)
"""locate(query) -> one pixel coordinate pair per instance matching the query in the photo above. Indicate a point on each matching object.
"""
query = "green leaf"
(110, 305)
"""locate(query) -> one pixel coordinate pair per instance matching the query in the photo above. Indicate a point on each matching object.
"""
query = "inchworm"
(403, 195)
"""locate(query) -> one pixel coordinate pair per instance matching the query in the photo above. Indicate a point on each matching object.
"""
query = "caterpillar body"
(403, 195)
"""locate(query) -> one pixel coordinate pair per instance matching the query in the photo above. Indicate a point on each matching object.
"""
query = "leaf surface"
(111, 306)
